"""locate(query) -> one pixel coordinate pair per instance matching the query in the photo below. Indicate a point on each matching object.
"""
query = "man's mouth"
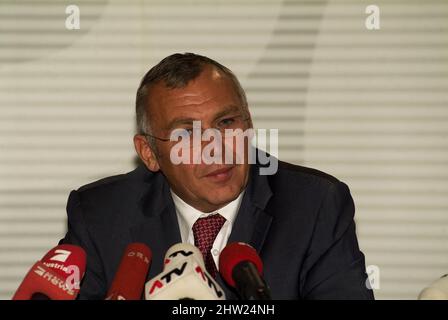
(220, 175)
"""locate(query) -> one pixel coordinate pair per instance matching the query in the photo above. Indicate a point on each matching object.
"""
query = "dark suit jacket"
(300, 221)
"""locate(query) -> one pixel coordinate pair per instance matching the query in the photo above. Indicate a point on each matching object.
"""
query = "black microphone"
(242, 268)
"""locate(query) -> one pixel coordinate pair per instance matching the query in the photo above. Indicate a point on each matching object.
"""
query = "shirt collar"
(190, 214)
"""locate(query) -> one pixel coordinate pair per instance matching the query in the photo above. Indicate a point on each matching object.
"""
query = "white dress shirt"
(187, 216)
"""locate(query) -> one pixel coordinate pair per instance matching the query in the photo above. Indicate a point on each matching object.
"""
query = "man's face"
(210, 98)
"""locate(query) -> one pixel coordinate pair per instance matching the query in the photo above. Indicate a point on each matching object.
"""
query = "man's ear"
(145, 152)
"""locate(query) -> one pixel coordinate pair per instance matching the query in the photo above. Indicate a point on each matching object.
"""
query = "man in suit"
(300, 220)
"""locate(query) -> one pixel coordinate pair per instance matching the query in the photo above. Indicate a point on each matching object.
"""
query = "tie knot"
(214, 220)
(205, 231)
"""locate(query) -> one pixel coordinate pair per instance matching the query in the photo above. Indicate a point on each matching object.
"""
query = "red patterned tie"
(205, 231)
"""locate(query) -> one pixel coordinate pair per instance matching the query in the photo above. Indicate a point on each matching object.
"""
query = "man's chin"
(220, 200)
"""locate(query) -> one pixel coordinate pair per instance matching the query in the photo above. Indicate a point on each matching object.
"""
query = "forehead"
(209, 93)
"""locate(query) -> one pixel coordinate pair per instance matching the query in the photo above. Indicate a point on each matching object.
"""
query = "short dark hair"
(176, 71)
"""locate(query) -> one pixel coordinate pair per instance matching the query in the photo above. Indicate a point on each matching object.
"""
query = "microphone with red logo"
(184, 277)
(130, 278)
(56, 277)
(242, 268)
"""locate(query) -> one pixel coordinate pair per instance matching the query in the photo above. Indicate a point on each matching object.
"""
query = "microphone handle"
(248, 282)
(39, 296)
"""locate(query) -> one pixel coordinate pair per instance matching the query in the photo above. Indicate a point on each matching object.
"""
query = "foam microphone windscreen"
(130, 277)
(182, 251)
(235, 253)
(56, 276)
(183, 279)
(60, 259)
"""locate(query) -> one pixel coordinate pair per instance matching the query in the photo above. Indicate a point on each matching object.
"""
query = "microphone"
(181, 251)
(184, 277)
(130, 278)
(242, 268)
(438, 290)
(56, 276)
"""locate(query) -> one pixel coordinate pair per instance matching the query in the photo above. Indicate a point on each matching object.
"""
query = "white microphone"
(184, 277)
(182, 251)
(438, 290)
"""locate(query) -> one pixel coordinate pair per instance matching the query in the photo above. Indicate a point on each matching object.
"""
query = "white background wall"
(369, 107)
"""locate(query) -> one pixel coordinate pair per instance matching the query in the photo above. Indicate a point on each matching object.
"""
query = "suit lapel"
(159, 228)
(253, 221)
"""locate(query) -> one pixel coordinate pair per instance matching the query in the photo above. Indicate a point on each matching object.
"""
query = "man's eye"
(187, 131)
(227, 122)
